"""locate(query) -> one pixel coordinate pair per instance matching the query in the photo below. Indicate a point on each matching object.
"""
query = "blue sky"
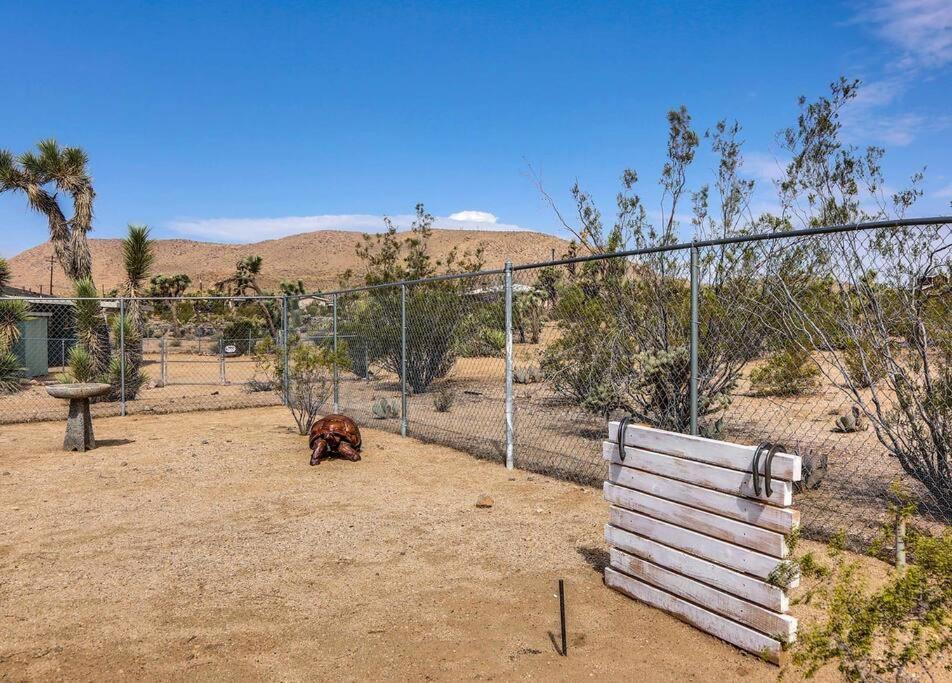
(246, 121)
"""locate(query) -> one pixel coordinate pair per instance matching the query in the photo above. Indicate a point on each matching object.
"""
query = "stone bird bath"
(79, 424)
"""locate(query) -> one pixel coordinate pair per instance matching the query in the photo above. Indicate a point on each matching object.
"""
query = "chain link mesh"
(836, 345)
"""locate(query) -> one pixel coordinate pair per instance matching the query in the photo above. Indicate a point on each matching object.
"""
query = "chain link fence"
(835, 342)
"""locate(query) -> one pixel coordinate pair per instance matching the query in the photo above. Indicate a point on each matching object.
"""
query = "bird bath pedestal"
(79, 424)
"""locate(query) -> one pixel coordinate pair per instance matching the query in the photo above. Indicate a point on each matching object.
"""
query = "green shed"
(33, 346)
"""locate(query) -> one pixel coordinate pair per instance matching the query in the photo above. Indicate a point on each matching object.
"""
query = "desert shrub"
(625, 324)
(894, 632)
(890, 285)
(310, 383)
(486, 342)
(435, 311)
(443, 398)
(787, 372)
(11, 373)
(863, 362)
(241, 332)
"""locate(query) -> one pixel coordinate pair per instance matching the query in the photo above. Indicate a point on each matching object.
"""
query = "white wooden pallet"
(690, 535)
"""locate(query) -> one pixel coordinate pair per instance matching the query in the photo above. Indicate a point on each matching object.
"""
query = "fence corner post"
(510, 425)
(404, 418)
(122, 356)
(336, 374)
(695, 285)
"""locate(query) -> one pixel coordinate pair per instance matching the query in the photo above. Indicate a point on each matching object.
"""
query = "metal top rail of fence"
(680, 246)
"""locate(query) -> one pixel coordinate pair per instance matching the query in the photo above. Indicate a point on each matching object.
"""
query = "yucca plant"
(127, 342)
(13, 312)
(11, 373)
(91, 329)
(80, 366)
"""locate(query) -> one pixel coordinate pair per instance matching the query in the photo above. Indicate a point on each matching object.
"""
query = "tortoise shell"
(339, 426)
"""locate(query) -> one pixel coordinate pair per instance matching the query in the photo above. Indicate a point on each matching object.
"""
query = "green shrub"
(486, 342)
(788, 372)
(241, 333)
(864, 364)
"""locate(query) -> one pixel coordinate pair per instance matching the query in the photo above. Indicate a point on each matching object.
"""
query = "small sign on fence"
(693, 532)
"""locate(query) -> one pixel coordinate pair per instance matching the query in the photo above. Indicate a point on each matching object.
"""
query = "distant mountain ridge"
(318, 258)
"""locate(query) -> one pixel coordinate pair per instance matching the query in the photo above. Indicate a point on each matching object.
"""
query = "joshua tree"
(245, 280)
(170, 286)
(40, 175)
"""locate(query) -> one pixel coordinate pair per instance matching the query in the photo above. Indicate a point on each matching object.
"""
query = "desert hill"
(318, 258)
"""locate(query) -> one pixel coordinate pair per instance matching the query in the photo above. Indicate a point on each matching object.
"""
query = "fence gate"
(698, 529)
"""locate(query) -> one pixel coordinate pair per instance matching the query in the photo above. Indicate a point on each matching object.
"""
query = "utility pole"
(52, 261)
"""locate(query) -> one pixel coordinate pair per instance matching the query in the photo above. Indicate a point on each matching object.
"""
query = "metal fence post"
(122, 356)
(695, 284)
(510, 427)
(336, 364)
(404, 420)
(221, 360)
(285, 374)
(162, 362)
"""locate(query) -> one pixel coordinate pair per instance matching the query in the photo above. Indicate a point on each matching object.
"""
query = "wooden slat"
(730, 530)
(755, 590)
(721, 453)
(698, 473)
(781, 626)
(736, 634)
(782, 520)
(723, 553)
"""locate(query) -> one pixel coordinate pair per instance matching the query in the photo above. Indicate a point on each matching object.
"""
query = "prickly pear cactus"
(383, 409)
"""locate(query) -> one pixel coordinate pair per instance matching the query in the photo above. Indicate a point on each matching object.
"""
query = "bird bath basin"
(79, 424)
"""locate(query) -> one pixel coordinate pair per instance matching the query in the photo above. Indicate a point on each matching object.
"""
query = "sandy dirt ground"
(553, 436)
(202, 546)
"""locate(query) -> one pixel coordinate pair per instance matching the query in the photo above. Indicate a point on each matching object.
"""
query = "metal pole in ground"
(510, 426)
(336, 371)
(404, 421)
(221, 360)
(285, 375)
(122, 356)
(695, 284)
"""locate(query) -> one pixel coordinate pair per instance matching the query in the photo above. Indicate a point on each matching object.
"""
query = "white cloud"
(258, 229)
(922, 29)
(943, 192)
(477, 216)
(867, 120)
(763, 167)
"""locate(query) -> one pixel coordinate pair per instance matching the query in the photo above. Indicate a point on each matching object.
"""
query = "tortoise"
(334, 434)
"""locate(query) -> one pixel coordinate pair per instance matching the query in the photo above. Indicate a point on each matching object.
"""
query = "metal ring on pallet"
(622, 428)
(755, 466)
(768, 464)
